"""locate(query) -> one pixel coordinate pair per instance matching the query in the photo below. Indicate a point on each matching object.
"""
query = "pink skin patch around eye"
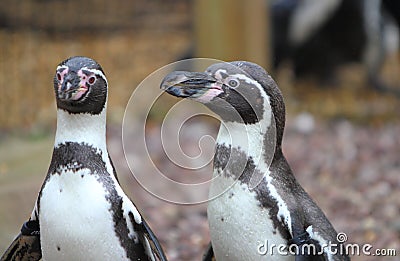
(60, 76)
(215, 90)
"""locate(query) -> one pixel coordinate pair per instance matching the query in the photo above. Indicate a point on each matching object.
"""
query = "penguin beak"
(71, 89)
(193, 85)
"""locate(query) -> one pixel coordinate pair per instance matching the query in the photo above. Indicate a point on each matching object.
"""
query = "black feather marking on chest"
(75, 156)
(231, 161)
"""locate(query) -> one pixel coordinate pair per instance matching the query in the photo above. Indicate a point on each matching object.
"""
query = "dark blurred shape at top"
(319, 36)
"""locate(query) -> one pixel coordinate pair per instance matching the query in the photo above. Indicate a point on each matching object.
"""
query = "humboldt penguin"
(81, 212)
(257, 210)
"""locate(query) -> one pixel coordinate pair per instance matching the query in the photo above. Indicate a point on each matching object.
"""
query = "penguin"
(317, 37)
(81, 212)
(256, 210)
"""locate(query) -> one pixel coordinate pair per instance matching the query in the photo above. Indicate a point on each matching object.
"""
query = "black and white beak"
(194, 85)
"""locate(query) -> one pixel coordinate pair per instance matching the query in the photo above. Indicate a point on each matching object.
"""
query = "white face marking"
(60, 74)
(218, 74)
(61, 67)
(95, 71)
(249, 81)
(62, 70)
(98, 72)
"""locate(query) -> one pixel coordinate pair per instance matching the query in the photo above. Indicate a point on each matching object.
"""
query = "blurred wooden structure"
(232, 30)
(130, 39)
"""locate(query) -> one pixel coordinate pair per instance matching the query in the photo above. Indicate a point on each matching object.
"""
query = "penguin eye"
(59, 77)
(92, 80)
(233, 83)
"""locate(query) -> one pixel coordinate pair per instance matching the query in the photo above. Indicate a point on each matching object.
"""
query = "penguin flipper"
(26, 246)
(153, 241)
(209, 254)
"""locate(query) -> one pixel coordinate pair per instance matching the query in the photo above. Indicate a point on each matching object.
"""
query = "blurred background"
(336, 62)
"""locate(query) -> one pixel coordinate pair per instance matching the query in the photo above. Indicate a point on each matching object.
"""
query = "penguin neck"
(84, 129)
(89, 129)
(257, 140)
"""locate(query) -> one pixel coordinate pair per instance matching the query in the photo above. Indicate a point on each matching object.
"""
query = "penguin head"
(237, 91)
(80, 86)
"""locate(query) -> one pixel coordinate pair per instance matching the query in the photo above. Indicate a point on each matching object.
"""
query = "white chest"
(75, 219)
(239, 228)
